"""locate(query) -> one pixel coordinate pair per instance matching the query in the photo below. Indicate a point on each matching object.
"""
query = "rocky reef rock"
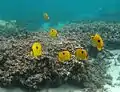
(110, 31)
(118, 58)
(10, 28)
(17, 67)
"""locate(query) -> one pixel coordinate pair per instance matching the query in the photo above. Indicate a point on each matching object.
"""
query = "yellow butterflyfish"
(81, 54)
(97, 41)
(36, 49)
(64, 56)
(46, 16)
(53, 33)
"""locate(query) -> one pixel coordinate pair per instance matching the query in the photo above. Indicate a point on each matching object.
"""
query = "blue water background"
(30, 12)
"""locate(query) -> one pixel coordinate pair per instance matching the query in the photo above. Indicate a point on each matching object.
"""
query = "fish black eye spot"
(63, 53)
(36, 47)
(98, 40)
(82, 52)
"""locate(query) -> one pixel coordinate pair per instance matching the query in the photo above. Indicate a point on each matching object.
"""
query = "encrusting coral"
(17, 67)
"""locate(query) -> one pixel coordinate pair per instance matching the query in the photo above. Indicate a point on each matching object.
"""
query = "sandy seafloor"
(114, 72)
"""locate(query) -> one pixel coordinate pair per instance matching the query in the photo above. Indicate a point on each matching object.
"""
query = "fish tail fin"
(92, 36)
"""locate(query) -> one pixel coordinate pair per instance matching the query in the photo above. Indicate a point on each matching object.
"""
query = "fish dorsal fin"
(97, 35)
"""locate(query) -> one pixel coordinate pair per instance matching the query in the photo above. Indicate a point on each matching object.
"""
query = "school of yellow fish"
(65, 55)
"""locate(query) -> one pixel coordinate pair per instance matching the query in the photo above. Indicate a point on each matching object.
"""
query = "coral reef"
(17, 67)
(10, 28)
(110, 31)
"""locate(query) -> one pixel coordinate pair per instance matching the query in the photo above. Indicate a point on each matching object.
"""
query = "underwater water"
(72, 19)
(29, 12)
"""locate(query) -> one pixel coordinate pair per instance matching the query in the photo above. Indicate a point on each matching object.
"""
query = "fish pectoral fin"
(99, 49)
(86, 58)
(103, 48)
(59, 59)
(80, 59)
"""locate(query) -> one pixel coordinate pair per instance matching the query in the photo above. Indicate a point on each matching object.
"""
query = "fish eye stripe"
(98, 40)
(36, 47)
